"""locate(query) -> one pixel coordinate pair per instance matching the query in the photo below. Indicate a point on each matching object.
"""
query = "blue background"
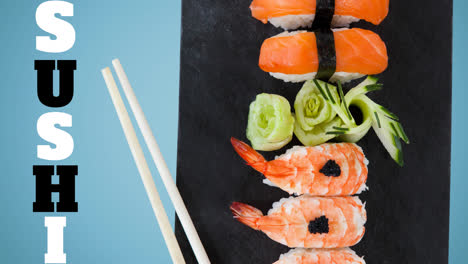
(115, 223)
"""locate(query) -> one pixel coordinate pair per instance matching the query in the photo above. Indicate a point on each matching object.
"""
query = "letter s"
(63, 141)
(64, 31)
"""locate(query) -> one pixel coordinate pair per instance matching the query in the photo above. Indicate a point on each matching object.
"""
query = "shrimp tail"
(246, 214)
(252, 157)
(274, 168)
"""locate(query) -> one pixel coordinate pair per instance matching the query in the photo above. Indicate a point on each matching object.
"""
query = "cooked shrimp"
(328, 169)
(319, 256)
(309, 222)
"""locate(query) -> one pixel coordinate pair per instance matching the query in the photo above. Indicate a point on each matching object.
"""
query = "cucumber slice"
(388, 129)
(311, 107)
(270, 146)
(384, 122)
(391, 143)
(318, 134)
(328, 92)
(355, 134)
(368, 85)
(270, 123)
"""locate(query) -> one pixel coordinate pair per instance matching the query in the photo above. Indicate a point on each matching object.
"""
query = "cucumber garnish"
(318, 134)
(321, 114)
(271, 124)
(385, 124)
(315, 106)
(311, 107)
(334, 100)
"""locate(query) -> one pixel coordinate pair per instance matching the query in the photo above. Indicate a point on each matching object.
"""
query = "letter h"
(45, 188)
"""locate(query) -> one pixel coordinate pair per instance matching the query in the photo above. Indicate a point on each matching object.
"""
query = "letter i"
(55, 227)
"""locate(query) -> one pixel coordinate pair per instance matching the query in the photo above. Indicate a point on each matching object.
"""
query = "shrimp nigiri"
(318, 256)
(292, 14)
(294, 56)
(327, 169)
(308, 222)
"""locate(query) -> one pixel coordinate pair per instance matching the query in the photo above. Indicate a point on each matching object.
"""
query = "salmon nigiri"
(292, 14)
(293, 56)
(307, 221)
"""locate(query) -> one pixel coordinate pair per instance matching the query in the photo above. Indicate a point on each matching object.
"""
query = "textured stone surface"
(408, 208)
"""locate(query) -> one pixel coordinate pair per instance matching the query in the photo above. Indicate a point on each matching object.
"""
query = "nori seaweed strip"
(326, 54)
(324, 11)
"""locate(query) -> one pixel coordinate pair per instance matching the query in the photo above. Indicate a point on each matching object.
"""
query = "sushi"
(307, 221)
(325, 170)
(295, 56)
(293, 14)
(317, 256)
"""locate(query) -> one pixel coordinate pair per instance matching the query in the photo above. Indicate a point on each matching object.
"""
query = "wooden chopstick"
(164, 172)
(142, 165)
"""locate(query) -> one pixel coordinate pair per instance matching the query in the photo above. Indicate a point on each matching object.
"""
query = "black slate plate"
(408, 208)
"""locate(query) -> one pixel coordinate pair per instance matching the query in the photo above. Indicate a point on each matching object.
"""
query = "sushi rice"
(344, 77)
(290, 22)
(313, 256)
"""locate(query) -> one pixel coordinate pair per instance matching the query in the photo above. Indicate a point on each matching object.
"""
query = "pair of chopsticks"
(142, 165)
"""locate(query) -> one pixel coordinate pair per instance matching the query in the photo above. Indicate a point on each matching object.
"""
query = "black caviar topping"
(319, 225)
(331, 168)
